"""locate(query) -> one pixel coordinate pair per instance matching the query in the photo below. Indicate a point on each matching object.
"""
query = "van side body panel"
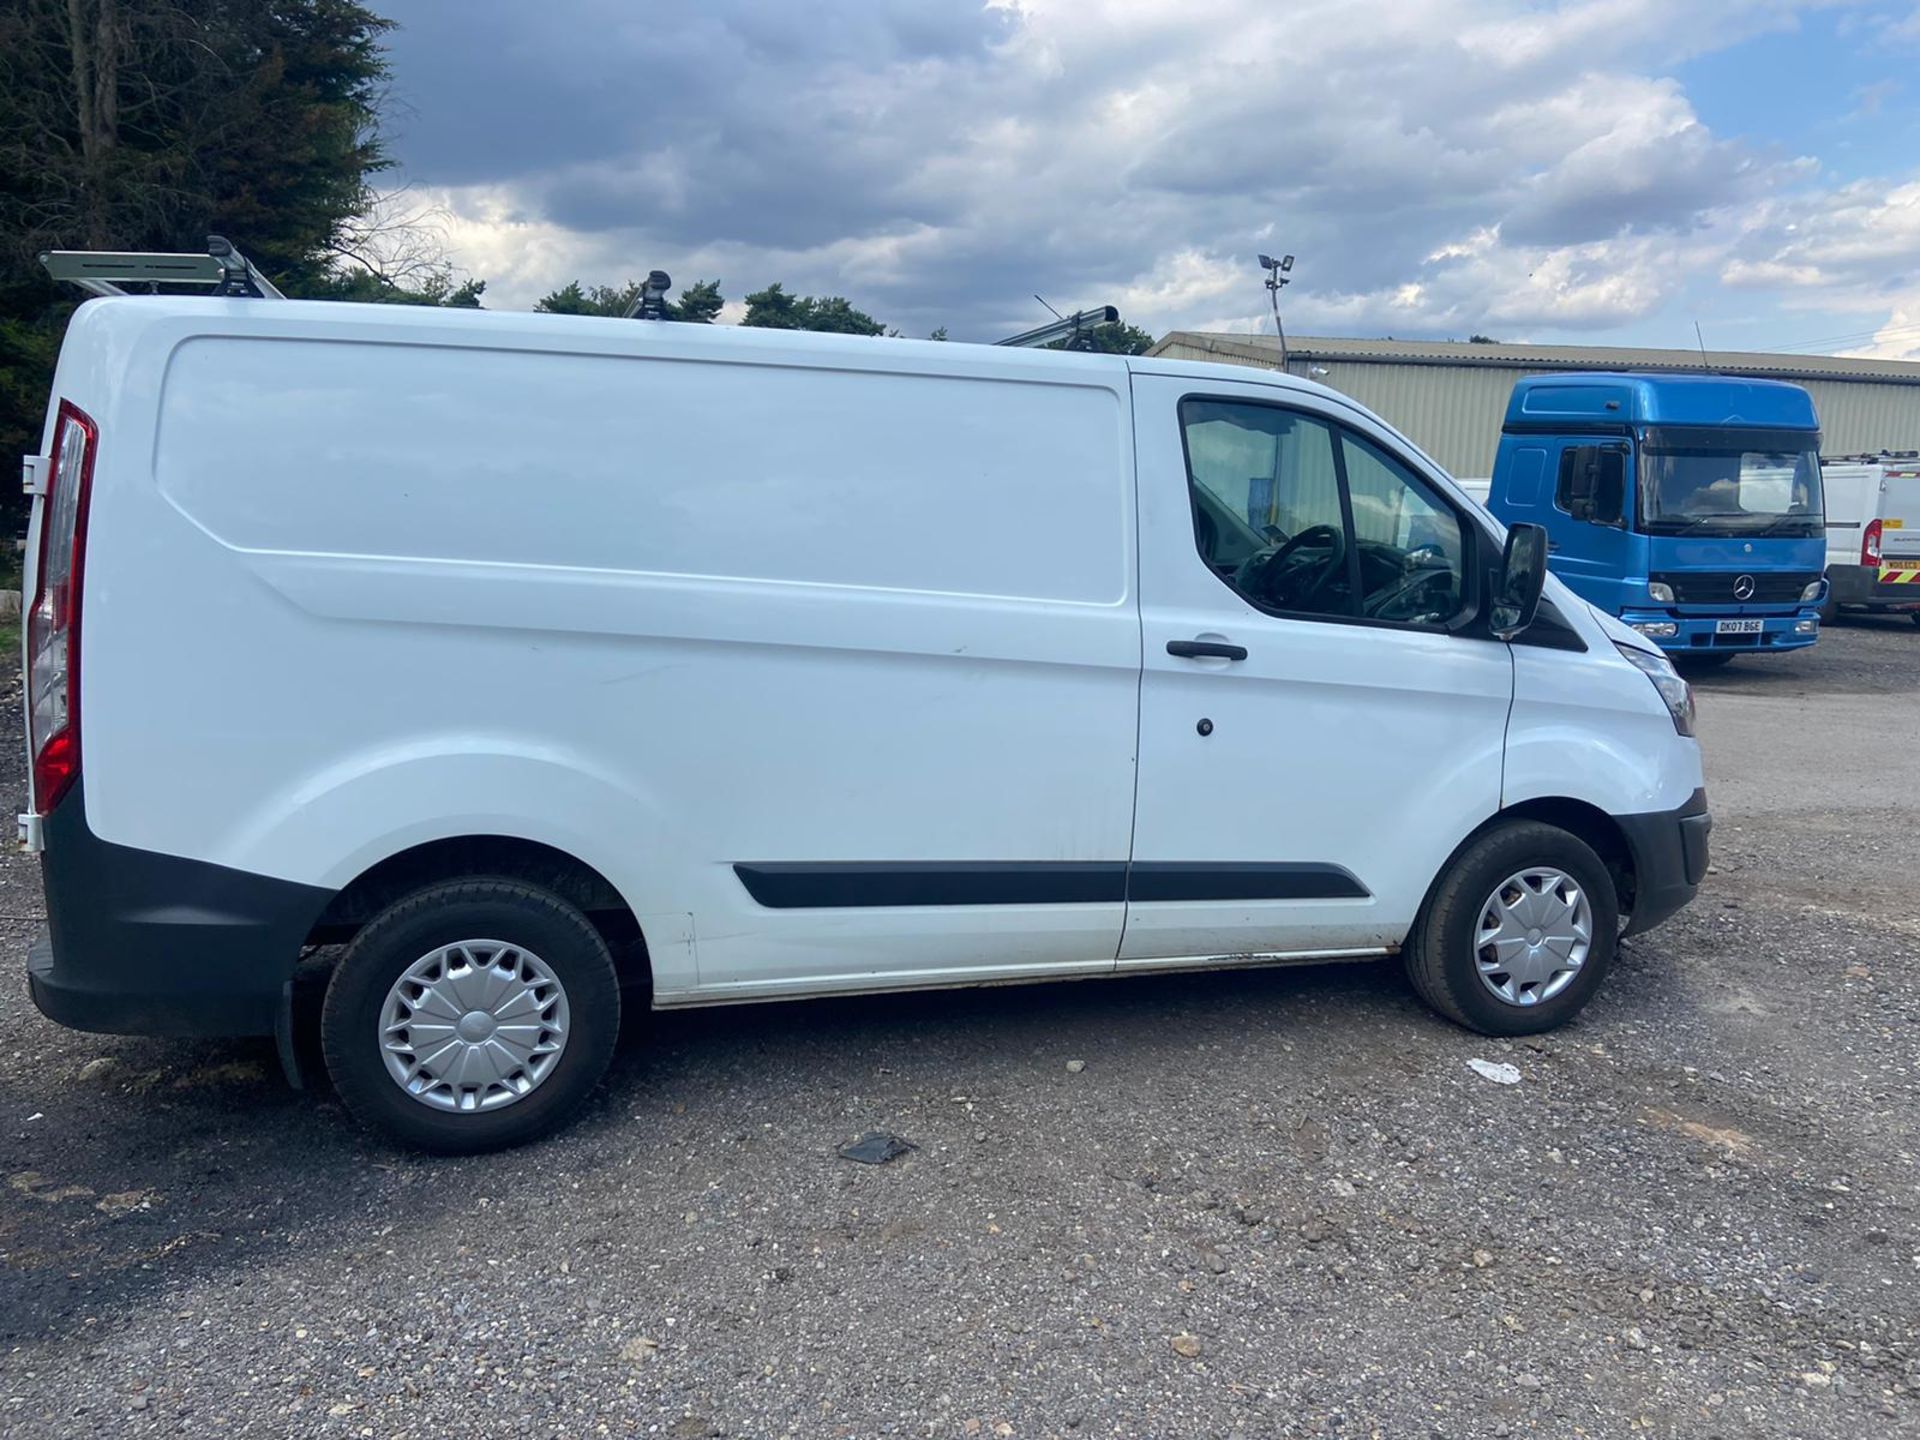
(670, 608)
(826, 652)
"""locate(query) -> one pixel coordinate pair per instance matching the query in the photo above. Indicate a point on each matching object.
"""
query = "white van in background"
(1873, 532)
(540, 661)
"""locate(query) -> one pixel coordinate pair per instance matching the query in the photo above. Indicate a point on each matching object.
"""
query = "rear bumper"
(1862, 585)
(1669, 859)
(140, 943)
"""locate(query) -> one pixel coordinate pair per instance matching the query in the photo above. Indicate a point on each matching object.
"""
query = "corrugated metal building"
(1451, 397)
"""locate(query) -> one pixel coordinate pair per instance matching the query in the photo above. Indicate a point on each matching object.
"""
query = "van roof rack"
(1076, 329)
(106, 272)
(650, 301)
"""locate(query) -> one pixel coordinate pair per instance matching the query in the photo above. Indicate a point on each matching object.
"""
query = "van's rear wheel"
(471, 1015)
(1518, 933)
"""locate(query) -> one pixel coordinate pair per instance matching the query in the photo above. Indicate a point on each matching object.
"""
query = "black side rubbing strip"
(815, 885)
(1285, 880)
(833, 884)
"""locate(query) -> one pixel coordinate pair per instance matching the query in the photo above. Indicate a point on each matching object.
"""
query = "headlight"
(1660, 592)
(1657, 629)
(1812, 592)
(1675, 691)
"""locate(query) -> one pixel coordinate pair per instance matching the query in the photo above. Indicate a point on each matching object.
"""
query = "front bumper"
(1695, 634)
(140, 943)
(1862, 585)
(1669, 860)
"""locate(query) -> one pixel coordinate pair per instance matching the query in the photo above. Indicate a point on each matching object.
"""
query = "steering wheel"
(1260, 571)
(1414, 596)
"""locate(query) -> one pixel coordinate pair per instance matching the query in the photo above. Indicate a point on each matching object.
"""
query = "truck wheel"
(471, 1015)
(1517, 933)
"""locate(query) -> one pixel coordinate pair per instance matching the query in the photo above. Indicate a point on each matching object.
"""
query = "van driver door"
(1314, 739)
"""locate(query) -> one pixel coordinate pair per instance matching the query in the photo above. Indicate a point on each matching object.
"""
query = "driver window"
(1408, 543)
(1266, 505)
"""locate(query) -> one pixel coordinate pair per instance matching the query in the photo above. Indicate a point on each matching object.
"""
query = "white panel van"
(1873, 533)
(540, 665)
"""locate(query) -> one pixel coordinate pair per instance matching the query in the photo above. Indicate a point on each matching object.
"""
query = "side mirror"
(1597, 487)
(1523, 575)
(1610, 489)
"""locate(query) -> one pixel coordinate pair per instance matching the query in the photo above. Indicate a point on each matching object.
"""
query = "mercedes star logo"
(1743, 588)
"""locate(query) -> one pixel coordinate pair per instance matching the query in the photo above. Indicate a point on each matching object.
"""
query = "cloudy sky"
(1607, 171)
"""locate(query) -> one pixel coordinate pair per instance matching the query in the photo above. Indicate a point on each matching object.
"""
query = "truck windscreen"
(1756, 489)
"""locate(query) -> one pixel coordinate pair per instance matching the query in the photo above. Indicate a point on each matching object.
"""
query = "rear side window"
(1300, 516)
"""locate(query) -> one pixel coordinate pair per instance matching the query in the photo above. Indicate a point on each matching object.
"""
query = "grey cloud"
(938, 163)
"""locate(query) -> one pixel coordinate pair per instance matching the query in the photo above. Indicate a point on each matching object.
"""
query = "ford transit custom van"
(537, 666)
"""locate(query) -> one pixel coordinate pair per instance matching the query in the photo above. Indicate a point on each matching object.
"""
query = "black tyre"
(471, 1015)
(1914, 615)
(1517, 933)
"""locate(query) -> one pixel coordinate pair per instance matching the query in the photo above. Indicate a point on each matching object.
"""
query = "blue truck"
(1689, 506)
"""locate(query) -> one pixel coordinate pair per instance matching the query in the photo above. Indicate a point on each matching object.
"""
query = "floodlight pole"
(1278, 279)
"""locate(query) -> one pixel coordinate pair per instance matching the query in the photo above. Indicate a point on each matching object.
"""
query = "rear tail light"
(53, 624)
(1870, 545)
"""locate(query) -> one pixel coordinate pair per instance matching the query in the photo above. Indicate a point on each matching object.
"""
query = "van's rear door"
(1900, 525)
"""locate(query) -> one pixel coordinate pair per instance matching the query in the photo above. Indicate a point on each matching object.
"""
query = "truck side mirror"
(1523, 575)
(1609, 502)
(1593, 485)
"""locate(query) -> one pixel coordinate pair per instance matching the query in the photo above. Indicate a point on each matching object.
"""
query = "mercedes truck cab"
(1688, 506)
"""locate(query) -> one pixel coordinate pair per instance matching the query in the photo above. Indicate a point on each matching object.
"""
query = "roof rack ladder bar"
(108, 272)
(1076, 329)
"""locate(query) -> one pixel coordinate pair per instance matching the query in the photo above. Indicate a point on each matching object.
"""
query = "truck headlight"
(1812, 592)
(1674, 690)
(1657, 629)
(1660, 592)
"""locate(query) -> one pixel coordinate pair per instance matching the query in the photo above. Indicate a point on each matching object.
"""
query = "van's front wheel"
(1518, 933)
(471, 1015)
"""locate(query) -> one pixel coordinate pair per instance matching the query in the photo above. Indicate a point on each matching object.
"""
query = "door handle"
(1205, 649)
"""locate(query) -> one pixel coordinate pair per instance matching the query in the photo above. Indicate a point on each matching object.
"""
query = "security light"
(1277, 279)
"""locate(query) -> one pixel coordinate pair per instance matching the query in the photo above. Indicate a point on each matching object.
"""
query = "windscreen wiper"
(1689, 524)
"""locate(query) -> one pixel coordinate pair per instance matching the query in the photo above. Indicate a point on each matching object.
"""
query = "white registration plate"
(1737, 627)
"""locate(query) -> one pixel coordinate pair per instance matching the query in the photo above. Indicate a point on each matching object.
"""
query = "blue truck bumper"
(1679, 633)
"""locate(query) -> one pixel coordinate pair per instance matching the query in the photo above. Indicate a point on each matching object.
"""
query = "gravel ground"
(1269, 1204)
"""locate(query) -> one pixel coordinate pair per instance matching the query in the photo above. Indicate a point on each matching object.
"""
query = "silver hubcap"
(473, 1026)
(1533, 936)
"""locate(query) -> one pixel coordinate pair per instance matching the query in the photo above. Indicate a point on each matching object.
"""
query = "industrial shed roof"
(1265, 350)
